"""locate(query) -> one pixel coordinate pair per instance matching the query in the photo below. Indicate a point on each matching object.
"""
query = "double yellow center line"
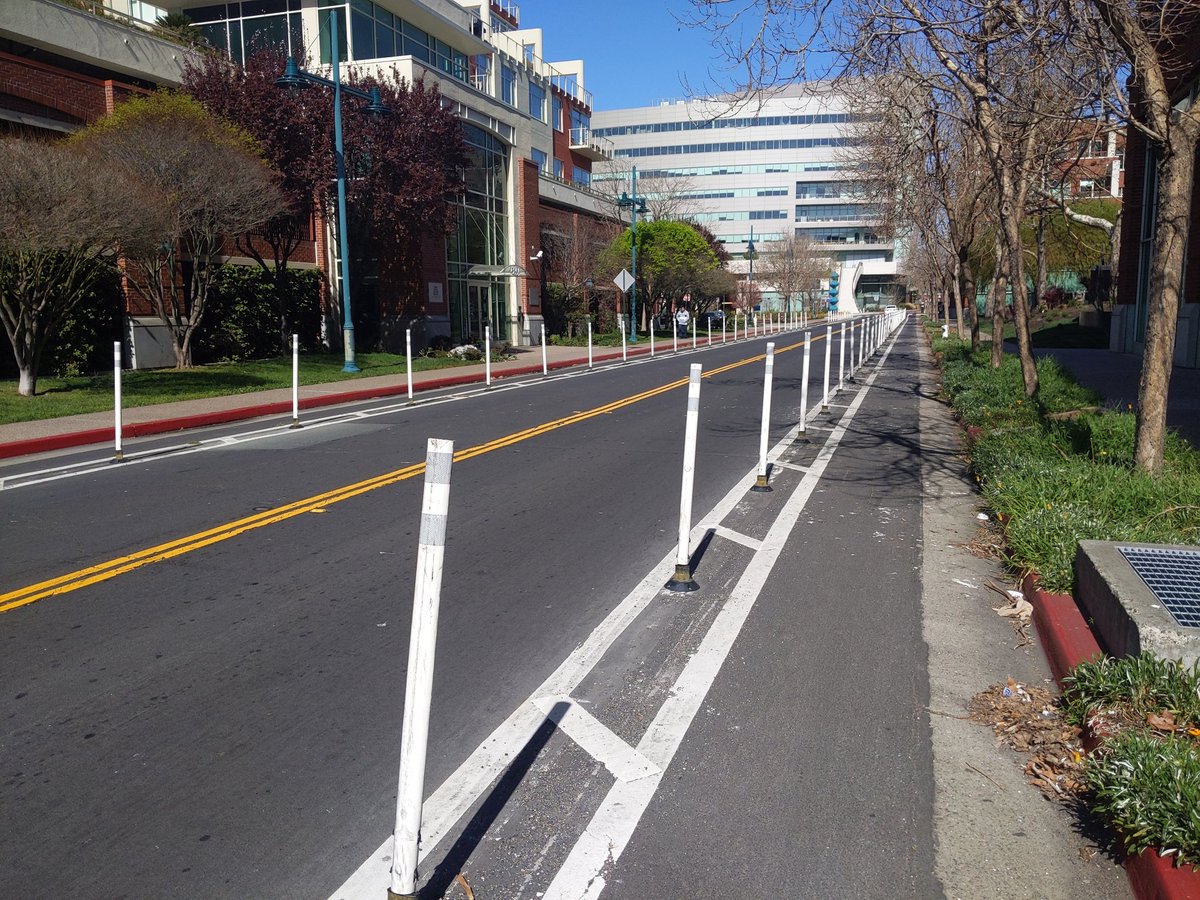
(81, 578)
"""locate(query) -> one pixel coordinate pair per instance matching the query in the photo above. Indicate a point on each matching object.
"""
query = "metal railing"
(583, 137)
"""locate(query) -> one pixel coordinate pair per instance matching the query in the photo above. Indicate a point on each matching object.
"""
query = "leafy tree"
(673, 260)
(293, 128)
(59, 212)
(195, 182)
(406, 170)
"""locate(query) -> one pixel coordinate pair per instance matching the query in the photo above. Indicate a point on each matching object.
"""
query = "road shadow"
(489, 810)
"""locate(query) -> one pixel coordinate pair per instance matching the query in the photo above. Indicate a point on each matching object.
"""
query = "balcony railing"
(585, 143)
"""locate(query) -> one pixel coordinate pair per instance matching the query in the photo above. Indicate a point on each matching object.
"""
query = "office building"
(764, 168)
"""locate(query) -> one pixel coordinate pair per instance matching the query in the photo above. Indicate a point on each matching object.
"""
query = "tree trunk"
(959, 298)
(1175, 173)
(27, 384)
(1016, 271)
(1039, 287)
(969, 289)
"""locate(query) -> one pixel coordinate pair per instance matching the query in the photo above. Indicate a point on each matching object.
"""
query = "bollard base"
(295, 424)
(761, 486)
(682, 582)
(392, 895)
(118, 457)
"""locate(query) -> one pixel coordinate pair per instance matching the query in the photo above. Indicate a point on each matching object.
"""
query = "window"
(581, 177)
(537, 101)
(556, 115)
(558, 168)
(540, 158)
(508, 85)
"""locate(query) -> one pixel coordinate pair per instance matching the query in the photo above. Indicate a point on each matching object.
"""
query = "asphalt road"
(228, 718)
(204, 653)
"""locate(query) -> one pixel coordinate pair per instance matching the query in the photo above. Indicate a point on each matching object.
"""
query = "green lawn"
(94, 393)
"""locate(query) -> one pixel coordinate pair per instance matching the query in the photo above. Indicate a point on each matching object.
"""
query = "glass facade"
(862, 234)
(377, 34)
(735, 147)
(757, 169)
(508, 84)
(821, 190)
(241, 29)
(537, 100)
(834, 212)
(707, 124)
(479, 240)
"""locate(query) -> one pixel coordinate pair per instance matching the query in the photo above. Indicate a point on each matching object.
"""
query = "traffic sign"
(624, 280)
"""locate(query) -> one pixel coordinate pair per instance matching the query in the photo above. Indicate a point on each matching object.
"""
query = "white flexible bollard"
(694, 332)
(804, 385)
(761, 483)
(487, 355)
(682, 581)
(624, 352)
(418, 689)
(589, 323)
(408, 360)
(545, 367)
(861, 340)
(828, 353)
(722, 329)
(295, 381)
(118, 453)
(842, 356)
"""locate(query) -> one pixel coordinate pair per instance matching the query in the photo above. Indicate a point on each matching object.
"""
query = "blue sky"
(634, 52)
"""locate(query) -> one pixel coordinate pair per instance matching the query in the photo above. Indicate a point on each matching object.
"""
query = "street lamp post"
(635, 205)
(750, 254)
(294, 77)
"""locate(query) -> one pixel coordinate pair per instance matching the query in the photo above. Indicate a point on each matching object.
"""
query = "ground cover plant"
(1144, 777)
(1061, 469)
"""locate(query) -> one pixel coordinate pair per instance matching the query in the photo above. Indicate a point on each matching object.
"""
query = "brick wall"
(53, 93)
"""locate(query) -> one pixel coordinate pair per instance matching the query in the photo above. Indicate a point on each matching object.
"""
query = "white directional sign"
(623, 280)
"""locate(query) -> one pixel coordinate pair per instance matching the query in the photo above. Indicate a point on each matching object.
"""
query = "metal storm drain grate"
(1173, 576)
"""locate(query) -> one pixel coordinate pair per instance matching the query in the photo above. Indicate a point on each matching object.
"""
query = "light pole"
(635, 205)
(750, 255)
(294, 77)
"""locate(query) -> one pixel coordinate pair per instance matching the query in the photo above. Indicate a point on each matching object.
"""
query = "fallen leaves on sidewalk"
(1029, 719)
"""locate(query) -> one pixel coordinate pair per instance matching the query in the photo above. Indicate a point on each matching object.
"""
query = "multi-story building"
(762, 169)
(526, 122)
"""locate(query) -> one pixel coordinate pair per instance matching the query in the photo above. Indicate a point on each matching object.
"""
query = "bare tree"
(668, 197)
(794, 266)
(568, 269)
(58, 215)
(200, 182)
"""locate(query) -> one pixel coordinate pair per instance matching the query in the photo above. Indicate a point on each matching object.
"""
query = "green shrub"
(241, 321)
(1144, 684)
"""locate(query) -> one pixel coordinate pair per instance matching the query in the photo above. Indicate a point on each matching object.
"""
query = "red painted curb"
(200, 420)
(1067, 640)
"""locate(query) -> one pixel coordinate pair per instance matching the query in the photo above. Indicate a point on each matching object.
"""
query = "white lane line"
(737, 537)
(610, 829)
(787, 465)
(459, 792)
(624, 762)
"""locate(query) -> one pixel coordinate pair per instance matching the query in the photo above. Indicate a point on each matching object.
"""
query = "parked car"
(711, 321)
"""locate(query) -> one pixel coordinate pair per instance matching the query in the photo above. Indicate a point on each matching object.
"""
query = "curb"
(1067, 640)
(200, 420)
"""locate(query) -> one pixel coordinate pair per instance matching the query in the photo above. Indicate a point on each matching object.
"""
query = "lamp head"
(537, 256)
(291, 77)
(376, 107)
